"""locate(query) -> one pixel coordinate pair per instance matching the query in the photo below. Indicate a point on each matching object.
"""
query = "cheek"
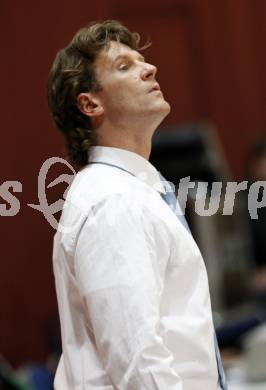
(122, 97)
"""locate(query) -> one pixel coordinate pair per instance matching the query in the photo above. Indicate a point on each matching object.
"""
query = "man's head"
(100, 79)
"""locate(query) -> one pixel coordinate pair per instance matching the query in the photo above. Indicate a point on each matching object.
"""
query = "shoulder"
(99, 184)
(101, 198)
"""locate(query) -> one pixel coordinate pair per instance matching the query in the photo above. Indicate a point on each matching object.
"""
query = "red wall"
(211, 60)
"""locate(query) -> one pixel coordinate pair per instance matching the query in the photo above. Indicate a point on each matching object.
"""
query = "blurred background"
(211, 61)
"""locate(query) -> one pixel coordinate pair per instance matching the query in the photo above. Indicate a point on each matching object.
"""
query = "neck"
(137, 142)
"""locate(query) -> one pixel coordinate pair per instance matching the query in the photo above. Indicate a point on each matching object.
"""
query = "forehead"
(115, 50)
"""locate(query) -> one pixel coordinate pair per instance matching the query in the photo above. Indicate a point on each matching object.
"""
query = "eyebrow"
(126, 56)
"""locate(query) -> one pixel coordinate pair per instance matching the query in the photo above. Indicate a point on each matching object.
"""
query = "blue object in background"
(39, 377)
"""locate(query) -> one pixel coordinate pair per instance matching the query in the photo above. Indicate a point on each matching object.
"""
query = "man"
(131, 283)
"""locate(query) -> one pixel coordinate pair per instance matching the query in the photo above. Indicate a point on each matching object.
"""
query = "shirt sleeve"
(120, 277)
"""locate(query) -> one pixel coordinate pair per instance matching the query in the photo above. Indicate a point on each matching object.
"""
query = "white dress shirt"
(131, 285)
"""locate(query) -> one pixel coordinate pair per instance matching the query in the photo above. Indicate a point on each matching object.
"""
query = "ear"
(89, 105)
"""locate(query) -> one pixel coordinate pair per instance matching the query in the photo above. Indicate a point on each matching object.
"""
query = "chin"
(165, 107)
(161, 112)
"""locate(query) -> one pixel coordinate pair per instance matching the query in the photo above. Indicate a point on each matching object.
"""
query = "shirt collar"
(130, 161)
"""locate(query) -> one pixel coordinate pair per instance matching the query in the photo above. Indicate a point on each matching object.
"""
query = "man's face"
(129, 89)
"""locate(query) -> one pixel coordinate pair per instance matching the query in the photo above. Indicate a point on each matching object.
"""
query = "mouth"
(156, 87)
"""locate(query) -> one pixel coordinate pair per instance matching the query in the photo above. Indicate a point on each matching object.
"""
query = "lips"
(156, 87)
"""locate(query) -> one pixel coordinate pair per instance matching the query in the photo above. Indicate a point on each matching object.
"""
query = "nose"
(149, 71)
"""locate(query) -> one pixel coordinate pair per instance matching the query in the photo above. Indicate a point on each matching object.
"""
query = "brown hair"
(73, 73)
